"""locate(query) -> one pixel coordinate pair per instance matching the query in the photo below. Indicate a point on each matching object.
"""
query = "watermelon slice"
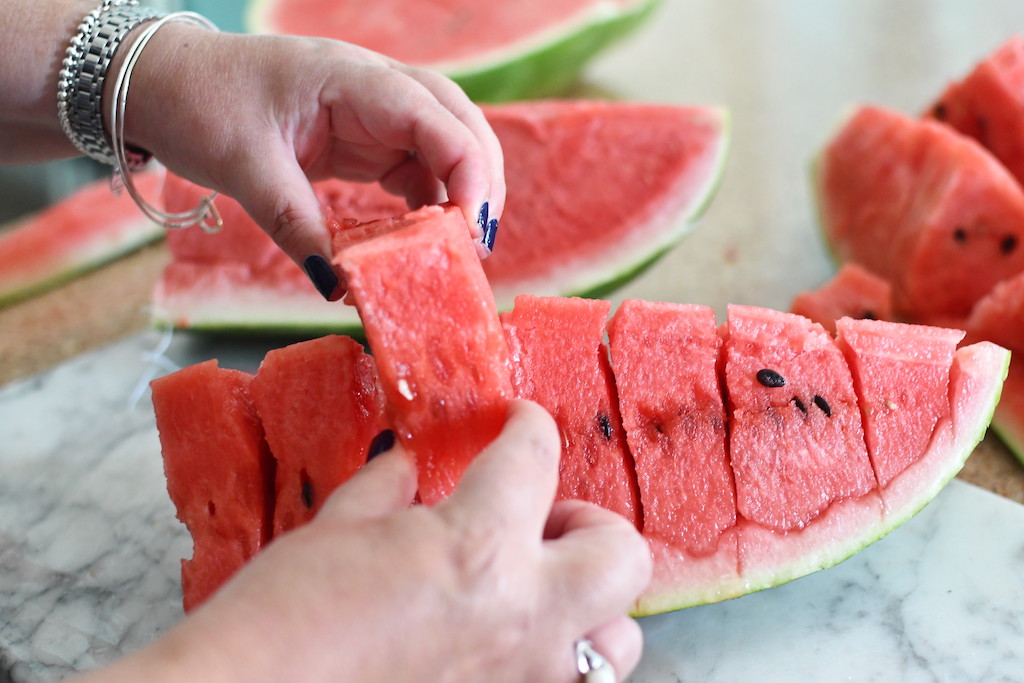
(321, 406)
(922, 206)
(219, 471)
(853, 292)
(986, 105)
(79, 233)
(559, 360)
(597, 191)
(496, 51)
(432, 325)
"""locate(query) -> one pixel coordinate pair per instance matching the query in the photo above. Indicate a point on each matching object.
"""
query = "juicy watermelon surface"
(798, 454)
(597, 191)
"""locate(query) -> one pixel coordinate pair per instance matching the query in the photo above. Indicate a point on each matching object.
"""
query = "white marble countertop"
(89, 547)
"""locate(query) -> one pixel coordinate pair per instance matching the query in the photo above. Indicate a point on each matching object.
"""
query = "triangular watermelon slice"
(597, 191)
(495, 50)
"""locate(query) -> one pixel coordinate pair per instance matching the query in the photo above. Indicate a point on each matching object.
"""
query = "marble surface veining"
(90, 551)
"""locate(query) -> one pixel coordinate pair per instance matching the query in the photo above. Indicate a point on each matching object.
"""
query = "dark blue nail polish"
(490, 232)
(383, 442)
(321, 274)
(481, 218)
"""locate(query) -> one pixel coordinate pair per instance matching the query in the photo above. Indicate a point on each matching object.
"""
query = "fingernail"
(481, 219)
(383, 442)
(490, 232)
(321, 274)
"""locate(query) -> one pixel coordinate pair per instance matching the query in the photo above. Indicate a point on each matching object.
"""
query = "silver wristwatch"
(80, 92)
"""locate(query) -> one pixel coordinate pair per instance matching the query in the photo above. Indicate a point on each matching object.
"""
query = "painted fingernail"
(481, 218)
(490, 232)
(383, 442)
(321, 274)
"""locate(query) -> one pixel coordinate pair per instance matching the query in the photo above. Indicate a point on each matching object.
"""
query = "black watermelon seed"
(384, 441)
(960, 235)
(800, 405)
(823, 404)
(1008, 244)
(868, 315)
(770, 378)
(606, 425)
(307, 494)
(939, 111)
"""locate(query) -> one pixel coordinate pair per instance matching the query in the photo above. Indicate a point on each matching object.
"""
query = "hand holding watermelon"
(495, 583)
(257, 118)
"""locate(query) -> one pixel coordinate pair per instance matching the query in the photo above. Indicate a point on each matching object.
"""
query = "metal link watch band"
(83, 74)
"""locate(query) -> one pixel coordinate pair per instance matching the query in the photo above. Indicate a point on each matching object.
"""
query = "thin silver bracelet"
(205, 215)
(84, 71)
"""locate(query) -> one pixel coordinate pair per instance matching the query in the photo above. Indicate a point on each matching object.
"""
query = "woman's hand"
(259, 117)
(494, 584)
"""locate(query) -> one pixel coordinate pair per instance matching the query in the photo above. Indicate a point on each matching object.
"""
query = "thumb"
(384, 485)
(275, 192)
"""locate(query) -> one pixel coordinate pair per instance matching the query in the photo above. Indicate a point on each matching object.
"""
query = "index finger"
(514, 480)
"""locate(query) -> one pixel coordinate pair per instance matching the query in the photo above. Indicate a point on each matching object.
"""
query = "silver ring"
(592, 665)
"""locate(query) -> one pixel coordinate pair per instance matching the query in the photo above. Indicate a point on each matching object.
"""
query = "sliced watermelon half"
(597, 192)
(496, 51)
(81, 232)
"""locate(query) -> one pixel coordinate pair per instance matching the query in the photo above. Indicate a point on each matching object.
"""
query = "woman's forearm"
(37, 34)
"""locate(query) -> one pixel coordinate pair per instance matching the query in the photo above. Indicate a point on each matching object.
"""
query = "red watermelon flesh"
(664, 357)
(321, 405)
(796, 438)
(433, 328)
(923, 207)
(219, 471)
(559, 359)
(427, 32)
(987, 105)
(901, 375)
(853, 292)
(596, 191)
(76, 234)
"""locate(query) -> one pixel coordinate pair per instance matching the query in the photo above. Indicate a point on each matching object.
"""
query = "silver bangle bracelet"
(84, 71)
(205, 215)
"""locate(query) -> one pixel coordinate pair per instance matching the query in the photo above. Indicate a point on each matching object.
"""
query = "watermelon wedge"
(79, 233)
(496, 51)
(923, 207)
(597, 191)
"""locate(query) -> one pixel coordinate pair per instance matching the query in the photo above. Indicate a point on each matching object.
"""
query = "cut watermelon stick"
(219, 471)
(796, 440)
(77, 234)
(495, 51)
(597, 191)
(901, 374)
(433, 328)
(559, 360)
(664, 357)
(321, 405)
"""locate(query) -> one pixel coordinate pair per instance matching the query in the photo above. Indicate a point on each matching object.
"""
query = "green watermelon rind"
(969, 433)
(551, 67)
(538, 66)
(142, 234)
